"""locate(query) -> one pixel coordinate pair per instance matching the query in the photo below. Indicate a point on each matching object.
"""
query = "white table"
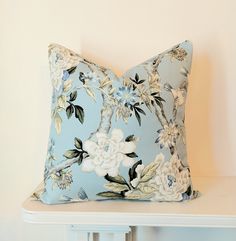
(112, 219)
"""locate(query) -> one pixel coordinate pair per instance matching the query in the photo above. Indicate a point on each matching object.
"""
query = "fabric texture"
(118, 137)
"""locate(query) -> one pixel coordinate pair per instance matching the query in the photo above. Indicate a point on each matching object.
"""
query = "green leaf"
(73, 95)
(159, 103)
(184, 71)
(149, 188)
(79, 113)
(78, 143)
(136, 77)
(80, 159)
(132, 172)
(110, 194)
(90, 92)
(130, 138)
(82, 77)
(140, 110)
(69, 111)
(104, 82)
(58, 122)
(137, 116)
(71, 70)
(71, 153)
(67, 85)
(132, 154)
(136, 194)
(36, 195)
(140, 81)
(159, 98)
(150, 170)
(118, 179)
(116, 187)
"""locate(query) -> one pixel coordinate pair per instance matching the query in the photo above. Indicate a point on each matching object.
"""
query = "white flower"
(168, 135)
(63, 179)
(172, 180)
(123, 112)
(106, 154)
(60, 59)
(178, 95)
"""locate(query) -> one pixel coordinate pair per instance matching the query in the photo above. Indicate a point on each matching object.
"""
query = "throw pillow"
(118, 137)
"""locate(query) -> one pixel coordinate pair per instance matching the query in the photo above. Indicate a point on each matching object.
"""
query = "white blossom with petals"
(178, 95)
(172, 180)
(107, 153)
(60, 59)
(168, 135)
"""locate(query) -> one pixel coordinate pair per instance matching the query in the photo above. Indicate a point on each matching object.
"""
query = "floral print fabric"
(118, 137)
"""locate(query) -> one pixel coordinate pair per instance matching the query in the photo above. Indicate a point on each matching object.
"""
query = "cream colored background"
(118, 34)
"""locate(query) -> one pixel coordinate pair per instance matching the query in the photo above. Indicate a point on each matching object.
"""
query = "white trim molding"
(216, 207)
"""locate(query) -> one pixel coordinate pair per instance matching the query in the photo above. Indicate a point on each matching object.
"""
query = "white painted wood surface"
(216, 207)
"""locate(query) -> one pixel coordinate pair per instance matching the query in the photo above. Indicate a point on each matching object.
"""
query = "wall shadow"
(205, 115)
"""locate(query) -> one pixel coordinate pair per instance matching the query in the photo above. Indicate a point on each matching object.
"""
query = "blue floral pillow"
(118, 137)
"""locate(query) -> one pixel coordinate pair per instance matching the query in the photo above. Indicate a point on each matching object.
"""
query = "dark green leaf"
(80, 159)
(189, 191)
(140, 110)
(132, 154)
(78, 143)
(82, 77)
(71, 70)
(79, 113)
(132, 172)
(110, 194)
(118, 179)
(159, 98)
(130, 138)
(159, 103)
(73, 95)
(154, 93)
(36, 195)
(136, 77)
(140, 81)
(69, 111)
(172, 150)
(137, 116)
(71, 153)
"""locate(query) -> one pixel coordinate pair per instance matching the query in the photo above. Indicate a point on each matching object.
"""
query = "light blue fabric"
(118, 137)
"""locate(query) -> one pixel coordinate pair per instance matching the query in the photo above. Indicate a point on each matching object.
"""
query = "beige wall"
(117, 34)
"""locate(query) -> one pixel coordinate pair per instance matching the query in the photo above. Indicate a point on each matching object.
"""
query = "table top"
(216, 207)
